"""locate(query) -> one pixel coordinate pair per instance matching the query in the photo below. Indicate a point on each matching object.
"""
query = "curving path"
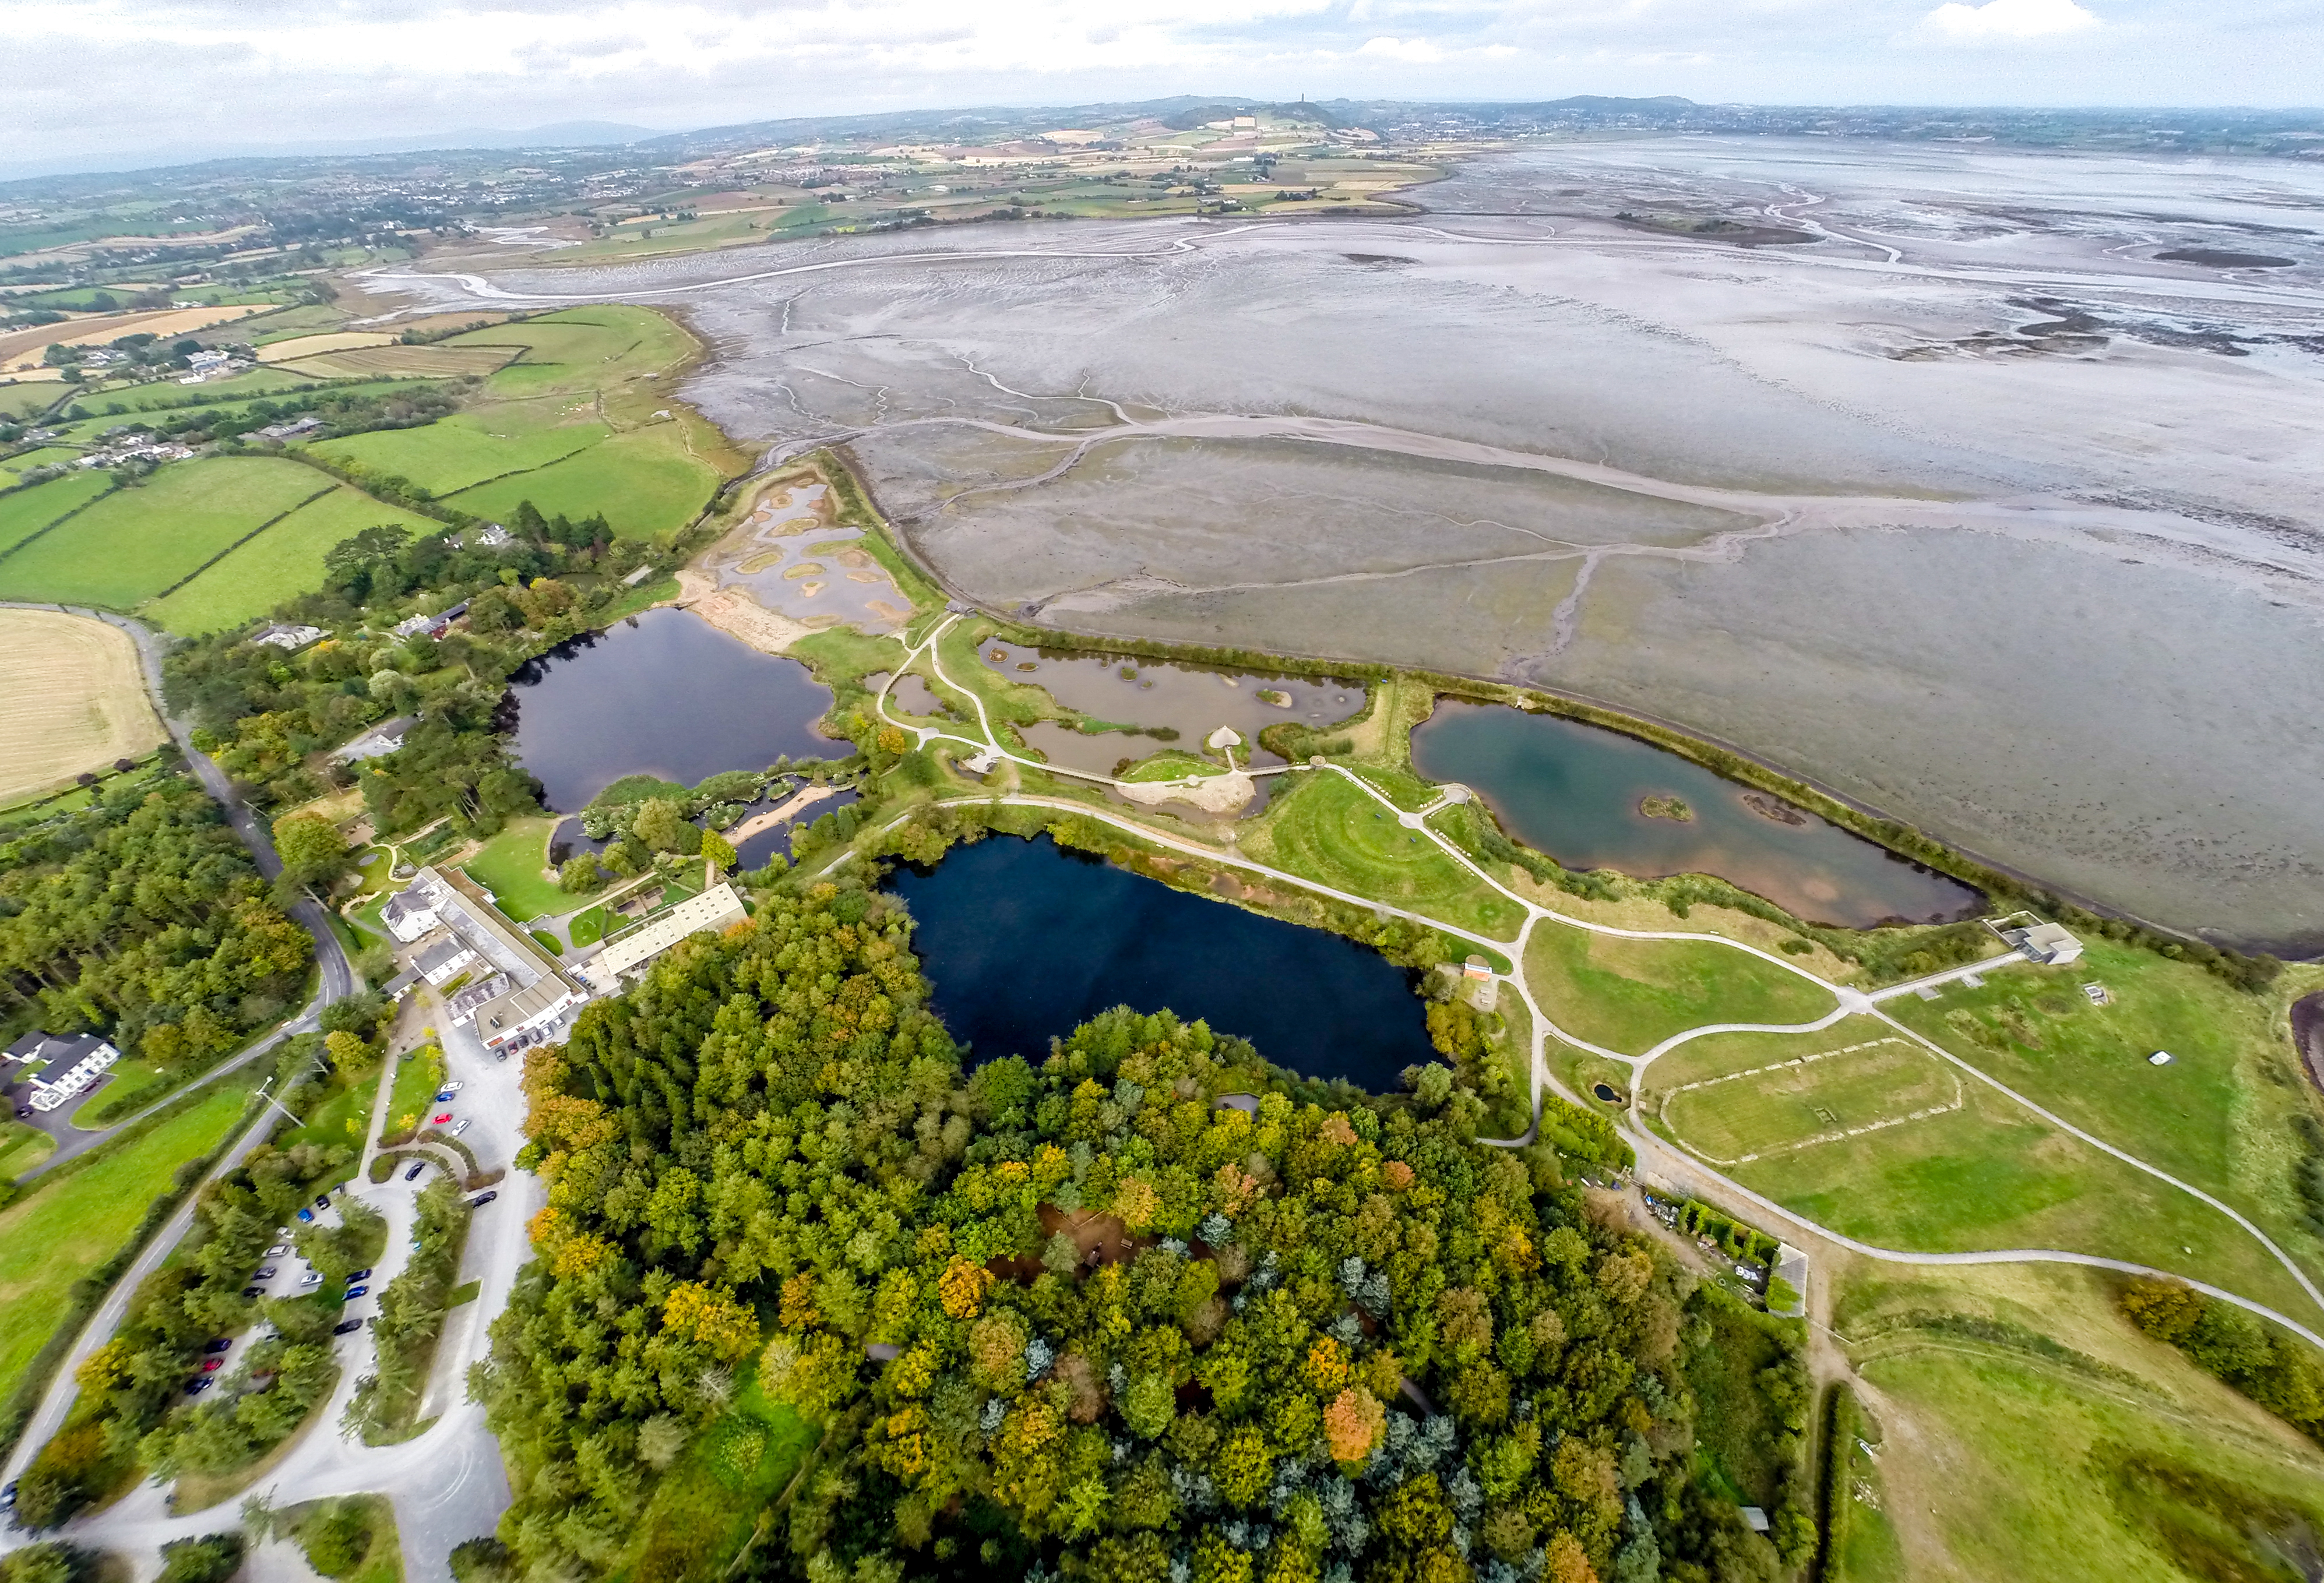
(1848, 1002)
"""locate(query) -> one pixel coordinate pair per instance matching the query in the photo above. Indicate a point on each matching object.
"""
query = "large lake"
(1023, 941)
(1574, 792)
(663, 694)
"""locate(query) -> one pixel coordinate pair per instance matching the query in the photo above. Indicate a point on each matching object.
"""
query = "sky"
(91, 79)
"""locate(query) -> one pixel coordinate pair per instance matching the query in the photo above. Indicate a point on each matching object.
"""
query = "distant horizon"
(93, 80)
(601, 132)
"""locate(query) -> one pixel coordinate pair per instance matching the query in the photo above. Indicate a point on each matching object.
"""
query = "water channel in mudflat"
(1023, 940)
(1580, 794)
(663, 694)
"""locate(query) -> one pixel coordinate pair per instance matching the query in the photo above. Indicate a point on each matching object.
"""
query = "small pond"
(1579, 793)
(1023, 940)
(662, 693)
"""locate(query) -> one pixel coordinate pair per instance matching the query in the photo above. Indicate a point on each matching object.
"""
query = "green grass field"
(1630, 995)
(1762, 1113)
(26, 512)
(468, 447)
(580, 348)
(88, 428)
(417, 1078)
(2067, 1448)
(21, 1147)
(282, 562)
(645, 481)
(1324, 828)
(66, 1229)
(169, 392)
(14, 468)
(131, 545)
(2219, 1115)
(510, 867)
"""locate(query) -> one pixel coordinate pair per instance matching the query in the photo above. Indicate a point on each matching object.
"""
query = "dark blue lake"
(663, 694)
(1023, 940)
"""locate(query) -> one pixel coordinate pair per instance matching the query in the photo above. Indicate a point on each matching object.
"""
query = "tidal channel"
(1023, 941)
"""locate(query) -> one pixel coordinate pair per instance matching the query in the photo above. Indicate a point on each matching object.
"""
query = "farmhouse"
(433, 626)
(717, 907)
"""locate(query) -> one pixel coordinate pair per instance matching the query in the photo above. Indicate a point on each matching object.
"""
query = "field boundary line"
(239, 543)
(102, 494)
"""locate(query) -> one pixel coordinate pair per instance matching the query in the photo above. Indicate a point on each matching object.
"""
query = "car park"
(355, 1292)
(413, 1174)
(222, 1344)
(482, 1199)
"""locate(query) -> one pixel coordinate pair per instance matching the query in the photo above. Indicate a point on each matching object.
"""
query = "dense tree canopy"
(141, 917)
(1071, 1317)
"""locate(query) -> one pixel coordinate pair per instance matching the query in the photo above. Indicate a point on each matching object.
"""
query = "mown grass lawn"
(1323, 828)
(417, 1077)
(21, 1147)
(513, 867)
(282, 562)
(136, 542)
(64, 1229)
(1630, 995)
(27, 511)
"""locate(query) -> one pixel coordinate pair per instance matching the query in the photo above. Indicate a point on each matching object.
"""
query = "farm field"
(168, 393)
(400, 361)
(467, 448)
(1630, 995)
(88, 428)
(14, 468)
(282, 562)
(138, 542)
(23, 349)
(27, 511)
(581, 349)
(646, 482)
(307, 345)
(64, 1229)
(75, 699)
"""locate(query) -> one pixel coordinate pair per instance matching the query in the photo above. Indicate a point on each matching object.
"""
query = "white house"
(415, 910)
(74, 1061)
(439, 961)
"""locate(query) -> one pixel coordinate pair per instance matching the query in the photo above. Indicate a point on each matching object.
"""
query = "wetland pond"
(1023, 940)
(1596, 799)
(663, 694)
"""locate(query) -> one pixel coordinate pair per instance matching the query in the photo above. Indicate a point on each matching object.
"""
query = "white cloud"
(2001, 20)
(1386, 48)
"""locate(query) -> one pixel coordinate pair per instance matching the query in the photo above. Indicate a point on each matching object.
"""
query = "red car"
(212, 1365)
(440, 1120)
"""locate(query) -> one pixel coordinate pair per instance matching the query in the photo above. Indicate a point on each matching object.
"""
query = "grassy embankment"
(2024, 1430)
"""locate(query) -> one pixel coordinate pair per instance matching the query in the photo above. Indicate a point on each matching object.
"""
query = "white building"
(74, 1062)
(509, 1017)
(289, 640)
(461, 1010)
(379, 741)
(417, 909)
(717, 907)
(439, 961)
(2049, 944)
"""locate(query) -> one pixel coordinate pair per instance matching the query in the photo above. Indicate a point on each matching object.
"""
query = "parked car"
(8, 1496)
(212, 1365)
(222, 1344)
(195, 1387)
(413, 1174)
(445, 1097)
(355, 1292)
(323, 1200)
(253, 1291)
(439, 1120)
(266, 1273)
(482, 1199)
(277, 1250)
(464, 1126)
(500, 1055)
(24, 1112)
(311, 1278)
(362, 1275)
(308, 1215)
(346, 1327)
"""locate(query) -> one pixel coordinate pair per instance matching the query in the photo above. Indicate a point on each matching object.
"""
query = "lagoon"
(1023, 940)
(662, 693)
(1578, 793)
